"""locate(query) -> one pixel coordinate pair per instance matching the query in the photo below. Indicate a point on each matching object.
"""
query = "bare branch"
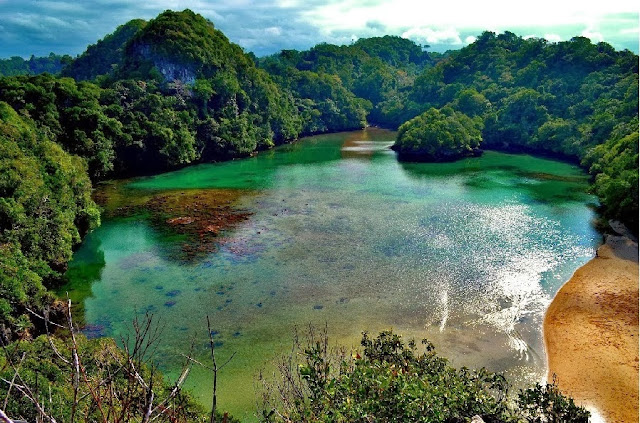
(6, 399)
(3, 417)
(228, 360)
(196, 362)
(24, 390)
(76, 362)
(215, 372)
(46, 319)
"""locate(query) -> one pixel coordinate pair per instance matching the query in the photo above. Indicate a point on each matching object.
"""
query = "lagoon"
(334, 230)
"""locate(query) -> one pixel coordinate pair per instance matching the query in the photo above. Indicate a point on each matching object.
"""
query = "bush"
(392, 382)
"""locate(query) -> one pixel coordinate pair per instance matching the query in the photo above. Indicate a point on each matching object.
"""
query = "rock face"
(621, 229)
(181, 46)
(173, 71)
(170, 69)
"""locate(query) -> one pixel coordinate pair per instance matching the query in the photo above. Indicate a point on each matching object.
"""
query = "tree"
(390, 381)
(438, 135)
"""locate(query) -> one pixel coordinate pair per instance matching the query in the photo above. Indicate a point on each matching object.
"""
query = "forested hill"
(174, 91)
(16, 65)
(572, 99)
(378, 70)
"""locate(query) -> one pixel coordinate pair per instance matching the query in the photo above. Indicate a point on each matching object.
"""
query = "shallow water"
(336, 230)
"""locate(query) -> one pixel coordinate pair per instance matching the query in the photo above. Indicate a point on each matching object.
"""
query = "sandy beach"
(591, 333)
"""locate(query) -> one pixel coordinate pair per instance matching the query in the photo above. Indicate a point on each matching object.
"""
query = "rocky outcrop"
(171, 70)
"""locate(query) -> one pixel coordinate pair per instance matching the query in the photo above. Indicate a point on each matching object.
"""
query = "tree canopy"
(394, 381)
(45, 209)
(439, 135)
(16, 65)
(573, 99)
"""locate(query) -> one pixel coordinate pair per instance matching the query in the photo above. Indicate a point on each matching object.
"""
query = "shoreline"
(591, 333)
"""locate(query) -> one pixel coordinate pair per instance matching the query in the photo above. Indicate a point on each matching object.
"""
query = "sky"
(267, 26)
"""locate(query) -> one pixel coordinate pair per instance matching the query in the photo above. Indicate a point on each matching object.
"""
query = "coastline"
(591, 333)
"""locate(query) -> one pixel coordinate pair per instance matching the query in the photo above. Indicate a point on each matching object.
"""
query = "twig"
(6, 399)
(76, 362)
(43, 318)
(3, 417)
(196, 361)
(215, 373)
(24, 390)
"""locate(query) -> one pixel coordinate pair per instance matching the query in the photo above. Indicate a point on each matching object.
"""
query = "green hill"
(105, 56)
(573, 99)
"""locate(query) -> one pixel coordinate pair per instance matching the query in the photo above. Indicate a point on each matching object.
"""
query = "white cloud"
(554, 38)
(340, 15)
(273, 30)
(432, 21)
(470, 39)
(629, 31)
(266, 26)
(594, 36)
(287, 3)
(442, 36)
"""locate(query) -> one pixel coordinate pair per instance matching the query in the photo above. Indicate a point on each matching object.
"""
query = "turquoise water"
(467, 254)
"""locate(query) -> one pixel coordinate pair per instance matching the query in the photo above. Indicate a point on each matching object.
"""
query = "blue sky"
(267, 26)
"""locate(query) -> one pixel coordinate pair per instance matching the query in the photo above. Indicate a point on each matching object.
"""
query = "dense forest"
(173, 91)
(16, 65)
(574, 99)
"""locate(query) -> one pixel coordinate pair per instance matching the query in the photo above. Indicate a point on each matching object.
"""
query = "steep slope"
(181, 45)
(364, 78)
(106, 55)
(45, 209)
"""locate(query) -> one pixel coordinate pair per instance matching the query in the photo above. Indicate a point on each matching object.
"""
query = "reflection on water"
(467, 254)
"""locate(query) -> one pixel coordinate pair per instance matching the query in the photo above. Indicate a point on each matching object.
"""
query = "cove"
(333, 229)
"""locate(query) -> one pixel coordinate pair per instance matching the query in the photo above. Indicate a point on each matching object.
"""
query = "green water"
(467, 254)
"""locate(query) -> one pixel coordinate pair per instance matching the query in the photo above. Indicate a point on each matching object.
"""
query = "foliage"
(616, 165)
(16, 65)
(392, 382)
(104, 57)
(69, 113)
(573, 99)
(71, 378)
(372, 69)
(547, 404)
(438, 135)
(21, 288)
(45, 209)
